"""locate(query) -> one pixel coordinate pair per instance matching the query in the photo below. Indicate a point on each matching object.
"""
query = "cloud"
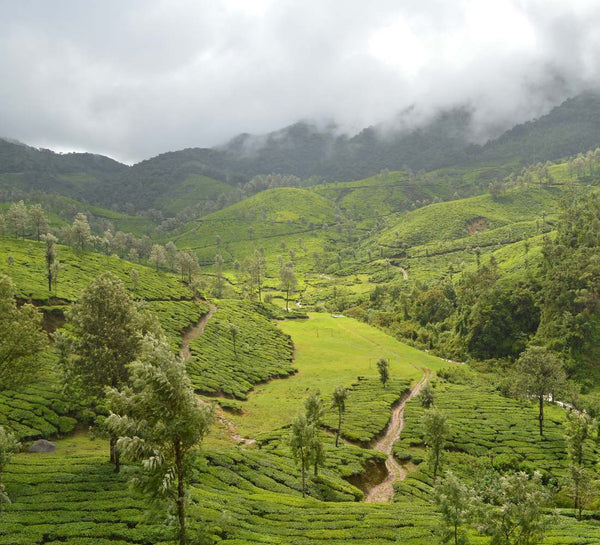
(133, 79)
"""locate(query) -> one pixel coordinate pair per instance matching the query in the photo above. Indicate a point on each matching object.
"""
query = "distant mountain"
(76, 175)
(568, 129)
(173, 181)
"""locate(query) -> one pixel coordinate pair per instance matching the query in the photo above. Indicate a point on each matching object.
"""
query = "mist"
(134, 79)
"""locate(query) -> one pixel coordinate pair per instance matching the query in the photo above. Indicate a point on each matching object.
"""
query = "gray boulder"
(41, 445)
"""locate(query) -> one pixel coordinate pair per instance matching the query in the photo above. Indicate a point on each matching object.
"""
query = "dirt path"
(185, 354)
(193, 333)
(384, 492)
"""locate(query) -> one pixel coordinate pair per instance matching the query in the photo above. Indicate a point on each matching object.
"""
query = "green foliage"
(77, 270)
(340, 394)
(515, 514)
(263, 352)
(37, 411)
(8, 446)
(21, 338)
(539, 373)
(159, 421)
(383, 368)
(106, 328)
(455, 501)
(177, 316)
(426, 396)
(435, 432)
(570, 322)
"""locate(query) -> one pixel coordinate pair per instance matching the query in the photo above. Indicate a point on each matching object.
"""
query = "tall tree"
(315, 410)
(578, 431)
(21, 338)
(158, 256)
(288, 282)
(539, 373)
(435, 431)
(107, 329)
(171, 254)
(219, 275)
(455, 502)
(17, 218)
(383, 367)
(160, 422)
(256, 268)
(300, 443)
(188, 264)
(38, 220)
(340, 394)
(81, 230)
(50, 252)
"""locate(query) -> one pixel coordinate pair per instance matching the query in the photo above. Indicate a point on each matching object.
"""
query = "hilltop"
(199, 181)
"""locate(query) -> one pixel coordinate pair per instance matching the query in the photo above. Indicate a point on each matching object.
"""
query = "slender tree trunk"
(49, 281)
(541, 415)
(337, 435)
(180, 493)
(435, 466)
(287, 298)
(303, 475)
(114, 454)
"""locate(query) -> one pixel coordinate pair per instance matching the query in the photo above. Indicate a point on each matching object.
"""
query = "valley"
(383, 302)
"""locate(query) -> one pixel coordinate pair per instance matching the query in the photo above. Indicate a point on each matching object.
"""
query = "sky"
(135, 78)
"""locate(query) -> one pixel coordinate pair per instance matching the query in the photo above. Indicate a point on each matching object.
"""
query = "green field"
(329, 352)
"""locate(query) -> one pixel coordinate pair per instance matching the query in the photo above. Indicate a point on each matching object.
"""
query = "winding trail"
(193, 333)
(384, 491)
(185, 354)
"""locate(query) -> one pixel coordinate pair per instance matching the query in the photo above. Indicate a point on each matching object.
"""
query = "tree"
(107, 332)
(340, 394)
(455, 502)
(256, 269)
(315, 410)
(21, 338)
(288, 282)
(50, 241)
(171, 254)
(38, 219)
(188, 264)
(219, 274)
(383, 367)
(515, 514)
(579, 429)
(8, 446)
(81, 230)
(435, 431)
(158, 256)
(539, 373)
(160, 422)
(17, 218)
(426, 396)
(300, 443)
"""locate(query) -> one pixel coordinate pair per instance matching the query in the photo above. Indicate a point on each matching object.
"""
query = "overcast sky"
(132, 79)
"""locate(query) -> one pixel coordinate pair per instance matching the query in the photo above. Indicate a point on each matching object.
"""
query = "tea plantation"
(231, 365)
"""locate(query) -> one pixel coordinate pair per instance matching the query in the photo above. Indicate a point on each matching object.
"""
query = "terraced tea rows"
(39, 410)
(232, 363)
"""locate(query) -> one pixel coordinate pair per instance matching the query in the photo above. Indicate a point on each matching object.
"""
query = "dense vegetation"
(232, 270)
